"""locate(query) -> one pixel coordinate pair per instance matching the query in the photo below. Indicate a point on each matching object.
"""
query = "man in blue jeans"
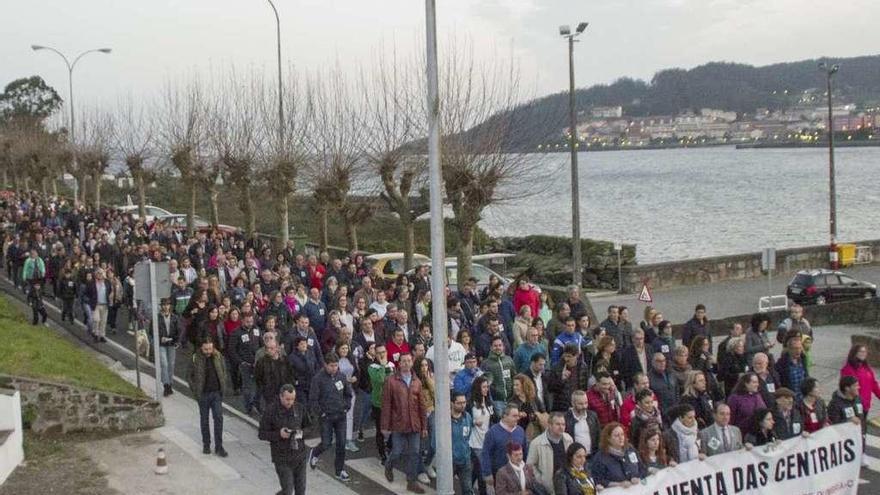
(330, 395)
(462, 424)
(404, 419)
(207, 380)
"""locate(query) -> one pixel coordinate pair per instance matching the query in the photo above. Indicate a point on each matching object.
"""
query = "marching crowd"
(544, 400)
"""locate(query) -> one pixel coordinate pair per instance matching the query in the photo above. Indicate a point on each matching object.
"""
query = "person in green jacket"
(378, 372)
(500, 368)
(34, 268)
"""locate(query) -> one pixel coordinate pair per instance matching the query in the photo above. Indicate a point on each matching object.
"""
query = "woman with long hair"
(348, 366)
(345, 316)
(744, 400)
(760, 431)
(701, 359)
(484, 416)
(532, 415)
(696, 394)
(545, 310)
(652, 451)
(606, 360)
(857, 365)
(466, 340)
(573, 478)
(424, 370)
(331, 332)
(617, 462)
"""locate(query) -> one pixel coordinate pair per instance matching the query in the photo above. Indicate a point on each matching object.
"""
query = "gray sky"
(154, 40)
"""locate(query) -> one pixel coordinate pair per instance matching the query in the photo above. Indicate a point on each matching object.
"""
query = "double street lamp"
(576, 264)
(829, 71)
(70, 67)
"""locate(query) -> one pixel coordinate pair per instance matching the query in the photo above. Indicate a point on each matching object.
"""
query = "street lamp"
(70, 67)
(576, 265)
(829, 71)
(280, 84)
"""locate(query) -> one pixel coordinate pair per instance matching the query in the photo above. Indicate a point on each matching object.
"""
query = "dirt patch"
(57, 465)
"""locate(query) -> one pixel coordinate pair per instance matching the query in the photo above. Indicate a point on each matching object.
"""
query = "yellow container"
(846, 253)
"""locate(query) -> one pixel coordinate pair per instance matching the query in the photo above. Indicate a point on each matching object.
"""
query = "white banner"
(826, 463)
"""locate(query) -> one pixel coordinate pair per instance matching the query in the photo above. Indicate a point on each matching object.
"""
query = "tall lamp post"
(70, 67)
(280, 83)
(576, 263)
(442, 413)
(829, 71)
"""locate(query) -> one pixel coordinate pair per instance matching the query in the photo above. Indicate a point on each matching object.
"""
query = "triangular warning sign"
(645, 294)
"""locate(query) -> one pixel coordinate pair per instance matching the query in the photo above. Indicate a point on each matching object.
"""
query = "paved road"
(722, 299)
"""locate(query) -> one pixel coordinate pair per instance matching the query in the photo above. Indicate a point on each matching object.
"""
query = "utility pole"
(439, 325)
(576, 259)
(832, 187)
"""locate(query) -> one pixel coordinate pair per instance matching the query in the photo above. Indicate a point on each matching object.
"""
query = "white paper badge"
(814, 418)
(771, 387)
(796, 428)
(321, 312)
(311, 342)
(632, 458)
(505, 374)
(465, 431)
(339, 385)
(395, 356)
(859, 408)
(664, 349)
(849, 412)
(256, 332)
(714, 443)
(245, 338)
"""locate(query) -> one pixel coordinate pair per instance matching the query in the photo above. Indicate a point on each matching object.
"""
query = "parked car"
(478, 271)
(390, 265)
(823, 286)
(151, 211)
(178, 222)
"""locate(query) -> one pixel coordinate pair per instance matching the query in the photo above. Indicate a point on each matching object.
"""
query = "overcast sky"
(153, 40)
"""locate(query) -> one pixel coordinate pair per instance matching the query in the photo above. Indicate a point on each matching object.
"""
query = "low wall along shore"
(56, 408)
(734, 267)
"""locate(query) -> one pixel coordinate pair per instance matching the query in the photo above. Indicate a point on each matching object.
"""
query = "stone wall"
(717, 268)
(60, 408)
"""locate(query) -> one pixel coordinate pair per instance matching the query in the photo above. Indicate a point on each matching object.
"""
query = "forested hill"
(720, 85)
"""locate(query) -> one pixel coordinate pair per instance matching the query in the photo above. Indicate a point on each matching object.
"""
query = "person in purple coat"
(745, 400)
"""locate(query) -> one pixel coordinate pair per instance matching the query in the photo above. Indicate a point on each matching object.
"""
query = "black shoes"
(221, 452)
(168, 390)
(206, 449)
(389, 472)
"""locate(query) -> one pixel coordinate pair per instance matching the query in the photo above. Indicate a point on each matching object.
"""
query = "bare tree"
(134, 140)
(480, 109)
(335, 145)
(182, 135)
(234, 135)
(94, 138)
(284, 151)
(392, 104)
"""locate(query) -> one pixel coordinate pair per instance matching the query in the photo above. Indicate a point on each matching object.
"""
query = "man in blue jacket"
(462, 424)
(494, 454)
(465, 376)
(316, 311)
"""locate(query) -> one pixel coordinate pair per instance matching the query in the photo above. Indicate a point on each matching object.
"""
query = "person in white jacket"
(541, 451)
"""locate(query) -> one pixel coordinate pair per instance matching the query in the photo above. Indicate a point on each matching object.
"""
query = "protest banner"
(826, 463)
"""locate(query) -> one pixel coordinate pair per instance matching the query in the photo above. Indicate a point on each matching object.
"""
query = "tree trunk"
(465, 253)
(27, 183)
(322, 229)
(5, 179)
(409, 242)
(44, 185)
(97, 181)
(214, 196)
(352, 235)
(54, 186)
(248, 210)
(142, 195)
(284, 222)
(191, 214)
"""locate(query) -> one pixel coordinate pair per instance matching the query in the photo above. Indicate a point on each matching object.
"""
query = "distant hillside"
(722, 85)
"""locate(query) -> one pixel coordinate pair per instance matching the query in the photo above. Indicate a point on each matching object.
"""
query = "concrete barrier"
(699, 271)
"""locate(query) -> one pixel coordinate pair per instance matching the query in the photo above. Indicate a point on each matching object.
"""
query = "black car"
(823, 286)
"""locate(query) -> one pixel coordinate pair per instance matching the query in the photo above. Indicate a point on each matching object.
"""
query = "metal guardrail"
(772, 303)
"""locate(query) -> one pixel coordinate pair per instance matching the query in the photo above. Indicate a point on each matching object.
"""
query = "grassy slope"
(38, 352)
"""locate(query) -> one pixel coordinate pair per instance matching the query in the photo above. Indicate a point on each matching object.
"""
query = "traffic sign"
(645, 294)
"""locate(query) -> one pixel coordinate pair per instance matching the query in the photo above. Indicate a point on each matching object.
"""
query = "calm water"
(677, 204)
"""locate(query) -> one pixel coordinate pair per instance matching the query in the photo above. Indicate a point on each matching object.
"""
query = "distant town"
(805, 124)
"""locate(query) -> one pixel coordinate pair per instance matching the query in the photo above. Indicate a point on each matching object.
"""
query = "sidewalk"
(129, 459)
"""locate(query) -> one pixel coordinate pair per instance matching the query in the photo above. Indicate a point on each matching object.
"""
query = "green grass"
(38, 352)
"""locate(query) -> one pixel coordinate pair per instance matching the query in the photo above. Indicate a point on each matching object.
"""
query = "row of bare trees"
(351, 140)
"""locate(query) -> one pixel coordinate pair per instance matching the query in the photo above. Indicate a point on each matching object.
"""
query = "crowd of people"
(544, 399)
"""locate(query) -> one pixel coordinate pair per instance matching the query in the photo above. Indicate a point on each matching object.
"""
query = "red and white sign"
(645, 294)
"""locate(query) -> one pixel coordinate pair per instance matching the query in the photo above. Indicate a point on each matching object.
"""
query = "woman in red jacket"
(857, 366)
(526, 295)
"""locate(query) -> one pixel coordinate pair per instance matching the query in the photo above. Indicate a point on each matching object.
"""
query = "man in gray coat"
(721, 437)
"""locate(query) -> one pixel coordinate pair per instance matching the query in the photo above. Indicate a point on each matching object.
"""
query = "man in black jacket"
(244, 345)
(207, 380)
(282, 426)
(330, 396)
(271, 372)
(581, 423)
